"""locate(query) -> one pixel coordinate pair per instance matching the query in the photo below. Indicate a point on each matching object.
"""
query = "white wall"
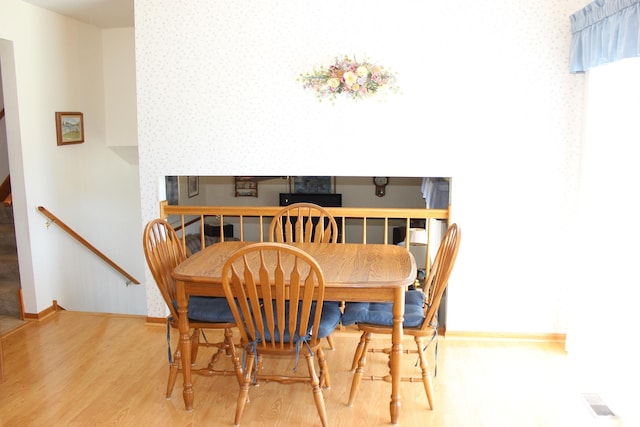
(119, 60)
(486, 99)
(52, 63)
(604, 309)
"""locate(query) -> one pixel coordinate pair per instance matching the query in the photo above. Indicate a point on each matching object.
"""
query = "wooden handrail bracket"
(56, 220)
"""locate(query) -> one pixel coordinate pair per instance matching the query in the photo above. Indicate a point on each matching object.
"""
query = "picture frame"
(69, 127)
(246, 187)
(193, 186)
(312, 184)
(171, 188)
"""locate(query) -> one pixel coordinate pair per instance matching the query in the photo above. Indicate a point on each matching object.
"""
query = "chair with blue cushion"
(163, 251)
(305, 222)
(276, 295)
(420, 317)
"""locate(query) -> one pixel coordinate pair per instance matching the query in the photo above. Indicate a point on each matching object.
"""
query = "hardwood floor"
(93, 369)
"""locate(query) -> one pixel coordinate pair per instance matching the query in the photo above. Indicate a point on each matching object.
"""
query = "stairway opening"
(11, 312)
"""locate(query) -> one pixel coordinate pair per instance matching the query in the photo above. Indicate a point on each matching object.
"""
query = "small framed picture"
(312, 184)
(171, 187)
(193, 185)
(69, 128)
(246, 187)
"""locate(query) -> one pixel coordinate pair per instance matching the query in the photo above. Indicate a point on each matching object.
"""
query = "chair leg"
(426, 376)
(358, 352)
(173, 373)
(325, 378)
(230, 347)
(260, 364)
(317, 390)
(243, 394)
(226, 346)
(330, 342)
(235, 359)
(195, 344)
(213, 360)
(357, 376)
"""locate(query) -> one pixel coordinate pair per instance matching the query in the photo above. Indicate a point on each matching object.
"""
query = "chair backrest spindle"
(303, 222)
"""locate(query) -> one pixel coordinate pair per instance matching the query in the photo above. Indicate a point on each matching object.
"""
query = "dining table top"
(344, 265)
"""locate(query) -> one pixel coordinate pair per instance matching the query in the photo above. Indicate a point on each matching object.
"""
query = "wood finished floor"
(81, 369)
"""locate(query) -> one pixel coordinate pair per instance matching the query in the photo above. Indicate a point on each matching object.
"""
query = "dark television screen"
(329, 200)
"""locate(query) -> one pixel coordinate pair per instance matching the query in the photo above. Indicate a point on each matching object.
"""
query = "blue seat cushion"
(329, 320)
(380, 313)
(209, 309)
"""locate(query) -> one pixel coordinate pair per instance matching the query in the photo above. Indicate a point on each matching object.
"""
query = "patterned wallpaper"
(480, 82)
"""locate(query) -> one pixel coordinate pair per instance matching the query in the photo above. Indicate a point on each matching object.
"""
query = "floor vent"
(597, 405)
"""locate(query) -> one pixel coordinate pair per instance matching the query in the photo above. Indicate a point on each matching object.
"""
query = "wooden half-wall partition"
(356, 225)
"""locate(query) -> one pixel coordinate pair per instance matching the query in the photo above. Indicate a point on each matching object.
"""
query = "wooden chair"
(303, 222)
(163, 252)
(420, 317)
(276, 294)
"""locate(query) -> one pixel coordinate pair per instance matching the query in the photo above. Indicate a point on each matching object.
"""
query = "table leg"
(185, 345)
(396, 354)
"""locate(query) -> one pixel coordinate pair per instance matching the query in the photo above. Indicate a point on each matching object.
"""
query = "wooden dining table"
(353, 272)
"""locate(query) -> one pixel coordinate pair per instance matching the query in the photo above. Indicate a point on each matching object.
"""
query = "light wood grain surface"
(343, 265)
(83, 369)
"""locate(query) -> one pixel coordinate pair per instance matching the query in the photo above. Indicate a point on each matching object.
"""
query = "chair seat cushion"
(209, 309)
(329, 320)
(380, 313)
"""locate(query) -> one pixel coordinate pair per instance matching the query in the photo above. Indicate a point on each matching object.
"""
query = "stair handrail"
(5, 191)
(5, 195)
(88, 245)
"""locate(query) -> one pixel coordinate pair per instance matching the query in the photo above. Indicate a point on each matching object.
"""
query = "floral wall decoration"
(349, 78)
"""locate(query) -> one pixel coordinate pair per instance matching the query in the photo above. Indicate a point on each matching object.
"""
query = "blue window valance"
(604, 31)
